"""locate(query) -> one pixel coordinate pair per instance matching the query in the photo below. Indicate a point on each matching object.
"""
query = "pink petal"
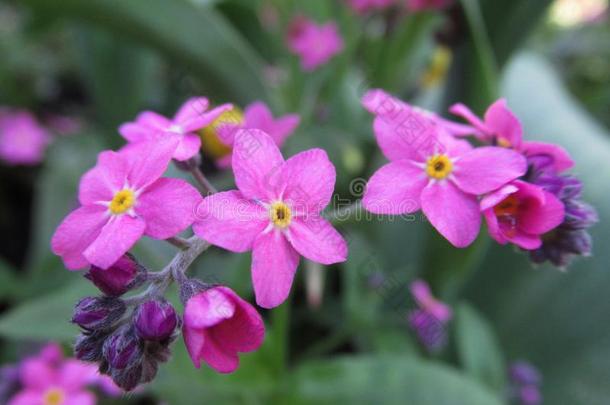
(493, 199)
(217, 356)
(540, 219)
(194, 339)
(168, 206)
(75, 374)
(487, 168)
(80, 398)
(256, 163)
(77, 231)
(503, 124)
(395, 189)
(561, 158)
(405, 137)
(134, 132)
(453, 213)
(192, 108)
(116, 238)
(258, 116)
(526, 241)
(493, 227)
(208, 308)
(107, 177)
(188, 147)
(463, 111)
(316, 239)
(307, 181)
(284, 127)
(230, 221)
(274, 262)
(149, 160)
(203, 120)
(153, 120)
(26, 397)
(37, 374)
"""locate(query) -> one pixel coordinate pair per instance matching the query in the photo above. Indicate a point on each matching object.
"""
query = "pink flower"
(218, 325)
(54, 381)
(432, 171)
(256, 116)
(420, 5)
(501, 127)
(314, 44)
(520, 212)
(123, 198)
(190, 118)
(22, 139)
(364, 6)
(426, 301)
(275, 213)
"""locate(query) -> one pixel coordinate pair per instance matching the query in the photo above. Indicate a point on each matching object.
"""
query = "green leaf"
(384, 380)
(478, 349)
(47, 317)
(197, 38)
(557, 320)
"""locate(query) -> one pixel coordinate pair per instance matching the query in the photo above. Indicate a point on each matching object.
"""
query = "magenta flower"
(55, 381)
(364, 6)
(123, 198)
(23, 140)
(189, 119)
(275, 213)
(501, 127)
(520, 213)
(427, 302)
(218, 325)
(258, 116)
(432, 171)
(314, 44)
(421, 5)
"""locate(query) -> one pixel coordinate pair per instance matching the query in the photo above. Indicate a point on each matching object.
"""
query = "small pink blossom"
(314, 44)
(258, 116)
(432, 171)
(501, 127)
(190, 118)
(23, 140)
(426, 301)
(520, 213)
(218, 325)
(421, 5)
(50, 379)
(364, 6)
(275, 213)
(123, 198)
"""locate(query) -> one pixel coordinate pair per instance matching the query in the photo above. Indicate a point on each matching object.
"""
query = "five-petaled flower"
(190, 118)
(442, 176)
(275, 213)
(123, 198)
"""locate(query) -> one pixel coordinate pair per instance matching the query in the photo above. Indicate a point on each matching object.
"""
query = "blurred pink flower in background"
(426, 301)
(22, 139)
(420, 5)
(314, 44)
(364, 6)
(50, 379)
(218, 325)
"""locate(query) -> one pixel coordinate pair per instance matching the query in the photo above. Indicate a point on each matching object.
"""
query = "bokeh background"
(97, 63)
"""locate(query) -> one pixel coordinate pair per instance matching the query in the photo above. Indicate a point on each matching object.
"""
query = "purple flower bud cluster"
(524, 383)
(571, 238)
(127, 338)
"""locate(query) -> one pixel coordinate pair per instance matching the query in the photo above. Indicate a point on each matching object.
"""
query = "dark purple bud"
(127, 378)
(123, 349)
(579, 215)
(156, 320)
(119, 278)
(430, 331)
(530, 395)
(523, 373)
(98, 313)
(88, 347)
(149, 370)
(9, 382)
(158, 351)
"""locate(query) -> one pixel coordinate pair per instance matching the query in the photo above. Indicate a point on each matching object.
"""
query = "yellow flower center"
(503, 142)
(122, 201)
(439, 166)
(54, 396)
(438, 68)
(280, 214)
(211, 143)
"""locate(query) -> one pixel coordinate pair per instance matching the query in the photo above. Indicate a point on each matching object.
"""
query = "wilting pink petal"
(452, 212)
(395, 189)
(274, 262)
(561, 158)
(230, 221)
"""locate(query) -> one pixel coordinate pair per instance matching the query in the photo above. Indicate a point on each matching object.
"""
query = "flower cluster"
(517, 186)
(50, 379)
(429, 320)
(524, 384)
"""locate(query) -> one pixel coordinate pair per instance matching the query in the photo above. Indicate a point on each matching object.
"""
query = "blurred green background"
(103, 61)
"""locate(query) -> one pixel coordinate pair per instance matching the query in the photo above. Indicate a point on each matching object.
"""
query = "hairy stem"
(179, 242)
(203, 181)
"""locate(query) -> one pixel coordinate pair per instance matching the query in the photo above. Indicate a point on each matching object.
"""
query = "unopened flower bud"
(119, 278)
(88, 347)
(123, 349)
(98, 313)
(156, 320)
(127, 378)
